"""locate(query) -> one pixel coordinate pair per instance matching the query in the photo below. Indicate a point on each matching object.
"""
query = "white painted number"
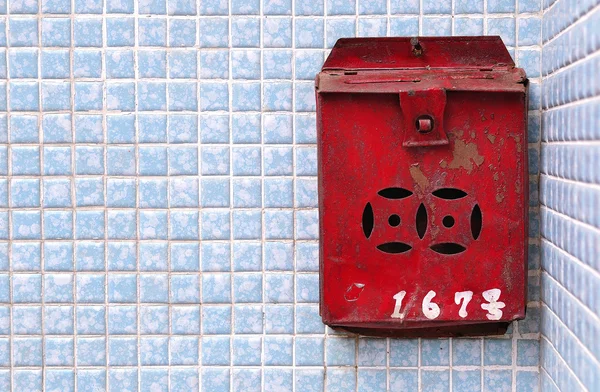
(494, 306)
(398, 297)
(430, 309)
(466, 297)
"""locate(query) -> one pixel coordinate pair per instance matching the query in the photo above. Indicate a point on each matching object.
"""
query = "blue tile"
(309, 351)
(245, 32)
(279, 319)
(29, 380)
(404, 352)
(374, 379)
(183, 379)
(91, 320)
(528, 352)
(309, 33)
(277, 33)
(504, 27)
(119, 7)
(149, 378)
(23, 32)
(246, 97)
(437, 26)
(247, 351)
(435, 380)
(122, 379)
(339, 28)
(372, 352)
(219, 7)
(247, 256)
(468, 26)
(214, 33)
(278, 351)
(91, 351)
(120, 31)
(341, 351)
(215, 380)
(23, 63)
(466, 352)
(215, 350)
(56, 32)
(246, 379)
(501, 6)
(469, 7)
(248, 319)
(184, 350)
(404, 380)
(466, 380)
(27, 352)
(91, 379)
(216, 288)
(528, 381)
(497, 351)
(247, 288)
(154, 319)
(214, 65)
(497, 380)
(309, 8)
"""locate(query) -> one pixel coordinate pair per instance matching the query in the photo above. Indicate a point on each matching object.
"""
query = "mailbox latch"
(423, 112)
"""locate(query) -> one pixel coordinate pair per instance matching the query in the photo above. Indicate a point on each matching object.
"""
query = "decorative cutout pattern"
(421, 221)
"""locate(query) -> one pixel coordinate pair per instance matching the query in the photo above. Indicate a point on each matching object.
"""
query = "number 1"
(398, 297)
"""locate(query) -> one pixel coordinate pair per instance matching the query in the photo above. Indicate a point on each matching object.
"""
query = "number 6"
(430, 310)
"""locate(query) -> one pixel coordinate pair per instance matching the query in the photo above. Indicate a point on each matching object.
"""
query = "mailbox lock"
(424, 124)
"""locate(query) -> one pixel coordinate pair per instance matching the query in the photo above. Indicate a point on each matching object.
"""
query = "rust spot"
(491, 138)
(518, 141)
(464, 155)
(506, 272)
(472, 134)
(499, 197)
(496, 176)
(418, 177)
(443, 164)
(354, 291)
(458, 134)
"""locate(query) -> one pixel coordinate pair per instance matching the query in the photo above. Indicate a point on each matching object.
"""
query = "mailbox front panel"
(419, 235)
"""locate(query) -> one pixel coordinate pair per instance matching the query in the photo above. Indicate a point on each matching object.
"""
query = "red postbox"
(423, 186)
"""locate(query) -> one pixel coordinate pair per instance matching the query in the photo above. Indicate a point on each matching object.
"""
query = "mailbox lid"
(437, 52)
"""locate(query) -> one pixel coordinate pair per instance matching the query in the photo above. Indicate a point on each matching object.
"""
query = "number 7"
(466, 296)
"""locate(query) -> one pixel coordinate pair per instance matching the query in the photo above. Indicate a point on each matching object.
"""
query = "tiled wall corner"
(158, 209)
(570, 196)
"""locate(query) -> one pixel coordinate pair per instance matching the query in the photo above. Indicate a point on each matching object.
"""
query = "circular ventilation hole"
(394, 220)
(448, 221)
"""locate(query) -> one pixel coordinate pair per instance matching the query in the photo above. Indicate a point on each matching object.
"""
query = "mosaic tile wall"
(570, 196)
(158, 217)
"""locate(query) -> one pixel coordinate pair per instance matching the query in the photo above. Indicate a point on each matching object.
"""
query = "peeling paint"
(354, 291)
(464, 155)
(518, 141)
(418, 177)
(491, 138)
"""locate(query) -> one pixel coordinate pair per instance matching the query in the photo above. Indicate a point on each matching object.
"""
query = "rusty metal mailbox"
(423, 186)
